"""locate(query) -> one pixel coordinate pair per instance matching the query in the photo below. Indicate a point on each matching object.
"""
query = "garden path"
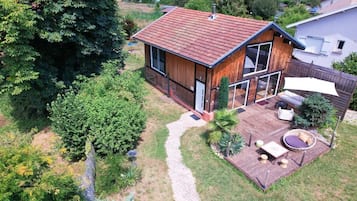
(182, 180)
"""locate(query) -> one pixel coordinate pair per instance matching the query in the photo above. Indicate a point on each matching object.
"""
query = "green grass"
(330, 177)
(138, 15)
(159, 117)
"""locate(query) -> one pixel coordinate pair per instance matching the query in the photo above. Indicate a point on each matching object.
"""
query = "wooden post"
(250, 140)
(266, 179)
(302, 158)
(168, 85)
(334, 132)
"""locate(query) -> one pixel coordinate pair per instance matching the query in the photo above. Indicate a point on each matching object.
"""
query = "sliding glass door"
(238, 94)
(267, 86)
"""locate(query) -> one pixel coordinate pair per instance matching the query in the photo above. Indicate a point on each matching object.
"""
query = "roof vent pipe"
(213, 9)
(213, 14)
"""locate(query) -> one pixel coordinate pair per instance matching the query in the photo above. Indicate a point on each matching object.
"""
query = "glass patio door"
(267, 86)
(238, 94)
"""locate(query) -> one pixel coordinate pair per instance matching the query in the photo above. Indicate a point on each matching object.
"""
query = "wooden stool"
(263, 158)
(284, 163)
(259, 143)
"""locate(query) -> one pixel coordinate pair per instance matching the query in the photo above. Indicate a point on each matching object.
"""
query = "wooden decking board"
(272, 129)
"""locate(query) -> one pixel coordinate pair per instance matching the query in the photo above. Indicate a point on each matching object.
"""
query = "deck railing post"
(334, 132)
(302, 158)
(168, 85)
(266, 179)
(250, 140)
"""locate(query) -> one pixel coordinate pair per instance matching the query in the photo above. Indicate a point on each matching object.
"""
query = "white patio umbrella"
(310, 84)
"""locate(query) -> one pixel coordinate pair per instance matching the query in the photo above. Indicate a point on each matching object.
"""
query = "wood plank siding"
(232, 67)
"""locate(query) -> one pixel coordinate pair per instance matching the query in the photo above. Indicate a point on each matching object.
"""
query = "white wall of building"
(321, 38)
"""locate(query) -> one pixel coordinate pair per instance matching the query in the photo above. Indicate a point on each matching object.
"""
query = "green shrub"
(231, 144)
(224, 121)
(114, 174)
(129, 26)
(70, 122)
(316, 110)
(108, 109)
(25, 175)
(349, 65)
(300, 122)
(223, 93)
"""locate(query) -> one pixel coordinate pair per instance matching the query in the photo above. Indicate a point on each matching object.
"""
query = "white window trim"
(255, 63)
(158, 59)
(266, 89)
(234, 93)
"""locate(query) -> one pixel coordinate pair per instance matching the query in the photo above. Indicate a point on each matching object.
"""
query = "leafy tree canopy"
(349, 65)
(292, 15)
(264, 8)
(232, 7)
(202, 5)
(17, 55)
(59, 40)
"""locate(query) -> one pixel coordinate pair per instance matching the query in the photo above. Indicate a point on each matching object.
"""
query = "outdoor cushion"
(303, 137)
(291, 98)
(295, 141)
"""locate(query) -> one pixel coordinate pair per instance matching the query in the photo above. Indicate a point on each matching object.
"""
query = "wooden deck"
(260, 122)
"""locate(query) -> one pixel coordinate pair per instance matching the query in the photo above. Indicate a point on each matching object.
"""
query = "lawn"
(331, 177)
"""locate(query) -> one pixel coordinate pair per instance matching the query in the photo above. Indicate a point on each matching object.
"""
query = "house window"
(158, 59)
(314, 44)
(340, 44)
(257, 58)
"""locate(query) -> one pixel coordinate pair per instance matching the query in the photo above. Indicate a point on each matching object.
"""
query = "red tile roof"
(190, 34)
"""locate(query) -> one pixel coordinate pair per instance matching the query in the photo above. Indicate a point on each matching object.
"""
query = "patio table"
(274, 149)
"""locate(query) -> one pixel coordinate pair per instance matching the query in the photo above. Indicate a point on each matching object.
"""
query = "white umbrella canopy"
(310, 84)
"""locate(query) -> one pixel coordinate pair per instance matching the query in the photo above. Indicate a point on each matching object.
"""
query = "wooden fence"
(345, 83)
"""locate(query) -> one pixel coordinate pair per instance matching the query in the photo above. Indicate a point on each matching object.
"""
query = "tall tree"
(71, 37)
(264, 8)
(17, 56)
(291, 15)
(232, 7)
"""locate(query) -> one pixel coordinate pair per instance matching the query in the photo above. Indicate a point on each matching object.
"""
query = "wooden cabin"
(187, 52)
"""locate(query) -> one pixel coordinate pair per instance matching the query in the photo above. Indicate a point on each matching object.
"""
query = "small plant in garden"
(221, 134)
(231, 144)
(316, 111)
(115, 173)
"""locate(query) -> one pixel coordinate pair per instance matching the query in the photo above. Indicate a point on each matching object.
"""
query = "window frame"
(338, 45)
(308, 47)
(158, 59)
(257, 58)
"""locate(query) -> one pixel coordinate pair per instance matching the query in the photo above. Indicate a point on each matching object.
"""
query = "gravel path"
(182, 180)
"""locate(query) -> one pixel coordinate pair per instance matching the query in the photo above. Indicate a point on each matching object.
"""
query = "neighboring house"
(328, 37)
(328, 6)
(187, 52)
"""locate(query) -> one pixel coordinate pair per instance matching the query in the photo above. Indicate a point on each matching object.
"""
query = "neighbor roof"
(337, 5)
(322, 16)
(192, 35)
